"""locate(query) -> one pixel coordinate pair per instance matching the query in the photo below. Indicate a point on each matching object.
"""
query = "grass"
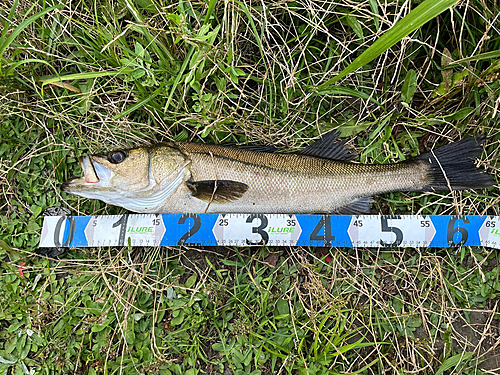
(79, 77)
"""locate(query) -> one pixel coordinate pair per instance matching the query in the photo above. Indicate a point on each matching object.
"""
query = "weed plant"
(77, 77)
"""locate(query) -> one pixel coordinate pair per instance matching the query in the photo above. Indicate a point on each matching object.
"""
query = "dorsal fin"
(329, 148)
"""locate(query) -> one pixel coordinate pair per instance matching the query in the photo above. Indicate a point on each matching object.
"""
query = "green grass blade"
(24, 25)
(70, 77)
(141, 103)
(253, 28)
(374, 8)
(454, 361)
(415, 19)
(479, 57)
(179, 77)
(15, 65)
(6, 24)
(211, 6)
(345, 91)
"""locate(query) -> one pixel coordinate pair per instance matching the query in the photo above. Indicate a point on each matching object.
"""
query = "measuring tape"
(271, 230)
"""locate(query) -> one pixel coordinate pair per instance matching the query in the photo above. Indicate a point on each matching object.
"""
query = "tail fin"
(452, 166)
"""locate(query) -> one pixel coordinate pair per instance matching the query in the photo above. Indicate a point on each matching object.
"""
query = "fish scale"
(285, 183)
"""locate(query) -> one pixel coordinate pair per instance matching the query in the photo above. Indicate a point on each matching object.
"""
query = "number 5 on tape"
(391, 231)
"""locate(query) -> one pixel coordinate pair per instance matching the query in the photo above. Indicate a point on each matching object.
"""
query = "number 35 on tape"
(271, 230)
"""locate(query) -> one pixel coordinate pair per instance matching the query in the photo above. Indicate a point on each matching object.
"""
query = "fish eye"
(116, 157)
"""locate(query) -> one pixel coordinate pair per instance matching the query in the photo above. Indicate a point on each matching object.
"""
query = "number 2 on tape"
(191, 231)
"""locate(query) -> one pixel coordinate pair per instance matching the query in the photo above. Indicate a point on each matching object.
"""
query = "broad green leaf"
(218, 347)
(415, 19)
(374, 8)
(352, 128)
(98, 327)
(178, 319)
(415, 322)
(282, 308)
(409, 86)
(191, 281)
(355, 26)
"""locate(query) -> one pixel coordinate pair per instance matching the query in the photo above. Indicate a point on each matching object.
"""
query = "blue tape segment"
(188, 229)
(456, 230)
(79, 238)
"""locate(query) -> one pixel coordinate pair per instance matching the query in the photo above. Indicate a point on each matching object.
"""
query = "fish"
(321, 178)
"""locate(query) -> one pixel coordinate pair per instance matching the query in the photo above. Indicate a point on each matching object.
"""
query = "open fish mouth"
(93, 174)
(89, 173)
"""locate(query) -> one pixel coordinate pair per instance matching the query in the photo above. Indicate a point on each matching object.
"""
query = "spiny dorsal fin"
(217, 191)
(329, 148)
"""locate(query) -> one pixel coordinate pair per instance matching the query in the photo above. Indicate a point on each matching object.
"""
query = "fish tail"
(451, 167)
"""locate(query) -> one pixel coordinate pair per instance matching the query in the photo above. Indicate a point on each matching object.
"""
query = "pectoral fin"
(217, 191)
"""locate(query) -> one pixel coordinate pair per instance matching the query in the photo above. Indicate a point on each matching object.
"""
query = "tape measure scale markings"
(271, 230)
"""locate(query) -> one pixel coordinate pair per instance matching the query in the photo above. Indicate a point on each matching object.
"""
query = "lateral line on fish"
(267, 167)
(237, 160)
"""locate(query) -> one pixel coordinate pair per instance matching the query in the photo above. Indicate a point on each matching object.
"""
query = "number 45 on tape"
(271, 230)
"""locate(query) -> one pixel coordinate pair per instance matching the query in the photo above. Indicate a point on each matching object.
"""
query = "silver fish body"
(194, 178)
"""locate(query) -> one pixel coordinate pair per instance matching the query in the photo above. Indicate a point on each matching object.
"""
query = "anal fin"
(217, 191)
(358, 206)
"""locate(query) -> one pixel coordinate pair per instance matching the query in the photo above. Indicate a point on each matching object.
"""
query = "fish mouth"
(89, 172)
(93, 174)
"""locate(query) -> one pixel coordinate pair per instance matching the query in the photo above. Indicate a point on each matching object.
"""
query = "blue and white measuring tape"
(271, 230)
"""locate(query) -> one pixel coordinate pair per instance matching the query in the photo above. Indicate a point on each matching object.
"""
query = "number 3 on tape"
(256, 229)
